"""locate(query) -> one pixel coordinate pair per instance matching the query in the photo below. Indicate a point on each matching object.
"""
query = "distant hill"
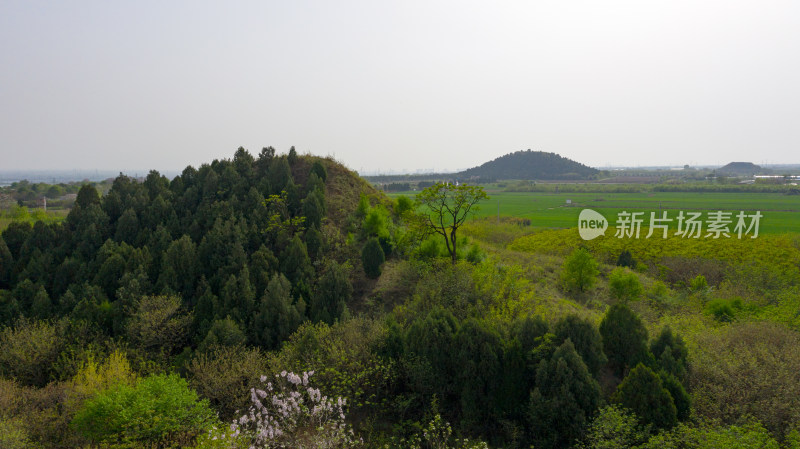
(740, 168)
(531, 165)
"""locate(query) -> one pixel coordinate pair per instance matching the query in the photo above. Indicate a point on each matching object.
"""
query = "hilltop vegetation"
(740, 168)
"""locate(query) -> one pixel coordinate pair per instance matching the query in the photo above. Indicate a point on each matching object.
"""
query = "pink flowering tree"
(288, 412)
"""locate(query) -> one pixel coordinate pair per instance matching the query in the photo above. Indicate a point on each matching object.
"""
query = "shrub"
(624, 285)
(13, 435)
(579, 271)
(644, 394)
(625, 259)
(158, 324)
(223, 333)
(698, 284)
(94, 377)
(614, 428)
(224, 374)
(748, 369)
(288, 412)
(158, 411)
(724, 310)
(29, 350)
(436, 435)
(750, 434)
(372, 257)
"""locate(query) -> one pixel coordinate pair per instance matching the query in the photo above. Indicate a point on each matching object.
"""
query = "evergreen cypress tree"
(624, 338)
(643, 393)
(564, 400)
(277, 317)
(586, 339)
(372, 258)
(332, 293)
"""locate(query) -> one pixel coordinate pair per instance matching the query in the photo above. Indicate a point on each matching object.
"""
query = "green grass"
(781, 213)
(51, 216)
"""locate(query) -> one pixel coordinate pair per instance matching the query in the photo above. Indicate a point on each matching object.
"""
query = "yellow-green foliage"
(94, 377)
(780, 251)
(748, 369)
(13, 435)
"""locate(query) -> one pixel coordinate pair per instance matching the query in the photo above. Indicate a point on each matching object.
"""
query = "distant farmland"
(781, 213)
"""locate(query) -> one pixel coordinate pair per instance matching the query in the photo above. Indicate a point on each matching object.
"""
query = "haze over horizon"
(398, 86)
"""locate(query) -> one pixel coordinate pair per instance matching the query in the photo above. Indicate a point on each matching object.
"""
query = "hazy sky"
(390, 85)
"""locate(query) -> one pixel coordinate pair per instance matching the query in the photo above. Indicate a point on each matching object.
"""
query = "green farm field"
(780, 212)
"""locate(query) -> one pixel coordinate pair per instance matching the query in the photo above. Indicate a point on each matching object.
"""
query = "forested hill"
(238, 250)
(531, 165)
(740, 168)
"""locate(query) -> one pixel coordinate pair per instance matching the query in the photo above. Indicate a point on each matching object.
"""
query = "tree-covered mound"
(242, 249)
(531, 165)
(740, 168)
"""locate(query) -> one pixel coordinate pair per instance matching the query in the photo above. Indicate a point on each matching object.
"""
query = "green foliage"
(564, 400)
(436, 435)
(296, 265)
(680, 397)
(579, 272)
(402, 205)
(6, 265)
(448, 206)
(624, 285)
(748, 435)
(344, 361)
(333, 292)
(376, 222)
(179, 268)
(372, 258)
(644, 394)
(237, 297)
(87, 196)
(625, 259)
(279, 174)
(430, 346)
(748, 369)
(224, 375)
(724, 310)
(671, 353)
(479, 357)
(698, 284)
(624, 338)
(223, 332)
(614, 428)
(277, 316)
(314, 208)
(14, 435)
(318, 169)
(586, 339)
(95, 376)
(431, 248)
(29, 350)
(158, 324)
(158, 411)
(127, 227)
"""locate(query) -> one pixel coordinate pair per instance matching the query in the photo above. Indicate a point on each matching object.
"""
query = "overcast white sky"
(390, 85)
